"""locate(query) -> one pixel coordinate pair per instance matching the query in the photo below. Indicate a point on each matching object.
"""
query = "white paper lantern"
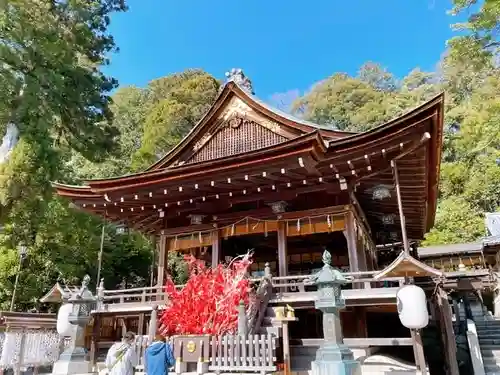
(412, 307)
(64, 327)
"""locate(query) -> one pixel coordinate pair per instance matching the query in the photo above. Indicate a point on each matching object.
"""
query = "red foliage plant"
(208, 303)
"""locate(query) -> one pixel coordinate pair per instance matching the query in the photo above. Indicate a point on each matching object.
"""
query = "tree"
(470, 173)
(377, 77)
(176, 103)
(52, 90)
(457, 221)
(51, 86)
(482, 25)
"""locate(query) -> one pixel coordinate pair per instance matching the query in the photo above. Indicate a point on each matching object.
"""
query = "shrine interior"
(303, 252)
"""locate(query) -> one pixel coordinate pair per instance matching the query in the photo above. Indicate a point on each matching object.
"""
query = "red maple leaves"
(208, 303)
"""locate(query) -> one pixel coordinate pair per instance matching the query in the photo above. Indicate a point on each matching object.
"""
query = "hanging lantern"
(120, 229)
(196, 219)
(388, 219)
(381, 192)
(412, 307)
(278, 207)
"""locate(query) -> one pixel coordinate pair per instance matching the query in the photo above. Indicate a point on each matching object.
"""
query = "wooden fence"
(228, 353)
(251, 353)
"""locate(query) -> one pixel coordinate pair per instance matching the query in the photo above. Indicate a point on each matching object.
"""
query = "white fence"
(35, 348)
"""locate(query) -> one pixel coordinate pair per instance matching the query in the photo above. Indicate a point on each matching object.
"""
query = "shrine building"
(250, 177)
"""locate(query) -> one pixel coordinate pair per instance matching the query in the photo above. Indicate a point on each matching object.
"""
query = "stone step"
(490, 349)
(490, 360)
(492, 369)
(488, 353)
(487, 324)
(489, 341)
(489, 335)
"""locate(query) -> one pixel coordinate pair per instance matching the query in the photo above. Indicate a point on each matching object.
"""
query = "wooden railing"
(359, 280)
(149, 296)
(135, 296)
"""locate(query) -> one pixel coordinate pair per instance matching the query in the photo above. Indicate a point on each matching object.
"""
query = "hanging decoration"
(381, 192)
(208, 303)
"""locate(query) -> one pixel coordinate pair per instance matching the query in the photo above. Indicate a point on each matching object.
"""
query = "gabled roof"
(58, 293)
(234, 100)
(406, 265)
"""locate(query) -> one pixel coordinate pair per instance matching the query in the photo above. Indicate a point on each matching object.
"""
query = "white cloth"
(121, 364)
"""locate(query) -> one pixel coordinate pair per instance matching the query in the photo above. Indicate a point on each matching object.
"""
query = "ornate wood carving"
(236, 135)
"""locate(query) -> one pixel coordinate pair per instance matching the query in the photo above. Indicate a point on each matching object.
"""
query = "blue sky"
(281, 45)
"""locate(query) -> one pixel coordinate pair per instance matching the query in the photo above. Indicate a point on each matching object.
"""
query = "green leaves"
(51, 87)
(457, 221)
(175, 104)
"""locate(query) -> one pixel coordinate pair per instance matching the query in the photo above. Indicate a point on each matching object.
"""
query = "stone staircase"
(488, 333)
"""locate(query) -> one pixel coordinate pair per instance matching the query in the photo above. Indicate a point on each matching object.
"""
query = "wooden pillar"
(360, 250)
(140, 324)
(161, 260)
(400, 207)
(449, 335)
(418, 351)
(350, 237)
(215, 248)
(94, 343)
(361, 323)
(282, 249)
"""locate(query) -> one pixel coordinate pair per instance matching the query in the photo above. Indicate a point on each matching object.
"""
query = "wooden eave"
(17, 320)
(296, 126)
(310, 143)
(363, 160)
(406, 265)
(419, 163)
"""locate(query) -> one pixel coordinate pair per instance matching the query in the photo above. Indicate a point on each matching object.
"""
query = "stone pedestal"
(73, 361)
(333, 357)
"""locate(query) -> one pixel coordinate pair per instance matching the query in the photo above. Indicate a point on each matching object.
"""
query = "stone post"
(75, 359)
(153, 324)
(242, 320)
(333, 357)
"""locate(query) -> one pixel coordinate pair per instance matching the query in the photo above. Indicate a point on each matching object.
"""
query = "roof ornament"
(237, 76)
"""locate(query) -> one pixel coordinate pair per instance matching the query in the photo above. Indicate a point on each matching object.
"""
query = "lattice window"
(239, 138)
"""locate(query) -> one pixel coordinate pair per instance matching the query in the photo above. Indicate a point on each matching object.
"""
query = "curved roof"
(230, 90)
(292, 149)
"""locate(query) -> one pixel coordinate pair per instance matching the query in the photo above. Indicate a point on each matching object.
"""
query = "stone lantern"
(332, 357)
(75, 358)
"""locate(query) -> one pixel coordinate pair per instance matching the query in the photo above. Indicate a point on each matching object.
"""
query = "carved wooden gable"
(237, 130)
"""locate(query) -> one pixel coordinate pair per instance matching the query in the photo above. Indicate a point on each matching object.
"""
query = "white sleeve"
(110, 356)
(133, 356)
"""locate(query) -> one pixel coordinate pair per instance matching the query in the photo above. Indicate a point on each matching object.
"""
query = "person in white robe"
(122, 357)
